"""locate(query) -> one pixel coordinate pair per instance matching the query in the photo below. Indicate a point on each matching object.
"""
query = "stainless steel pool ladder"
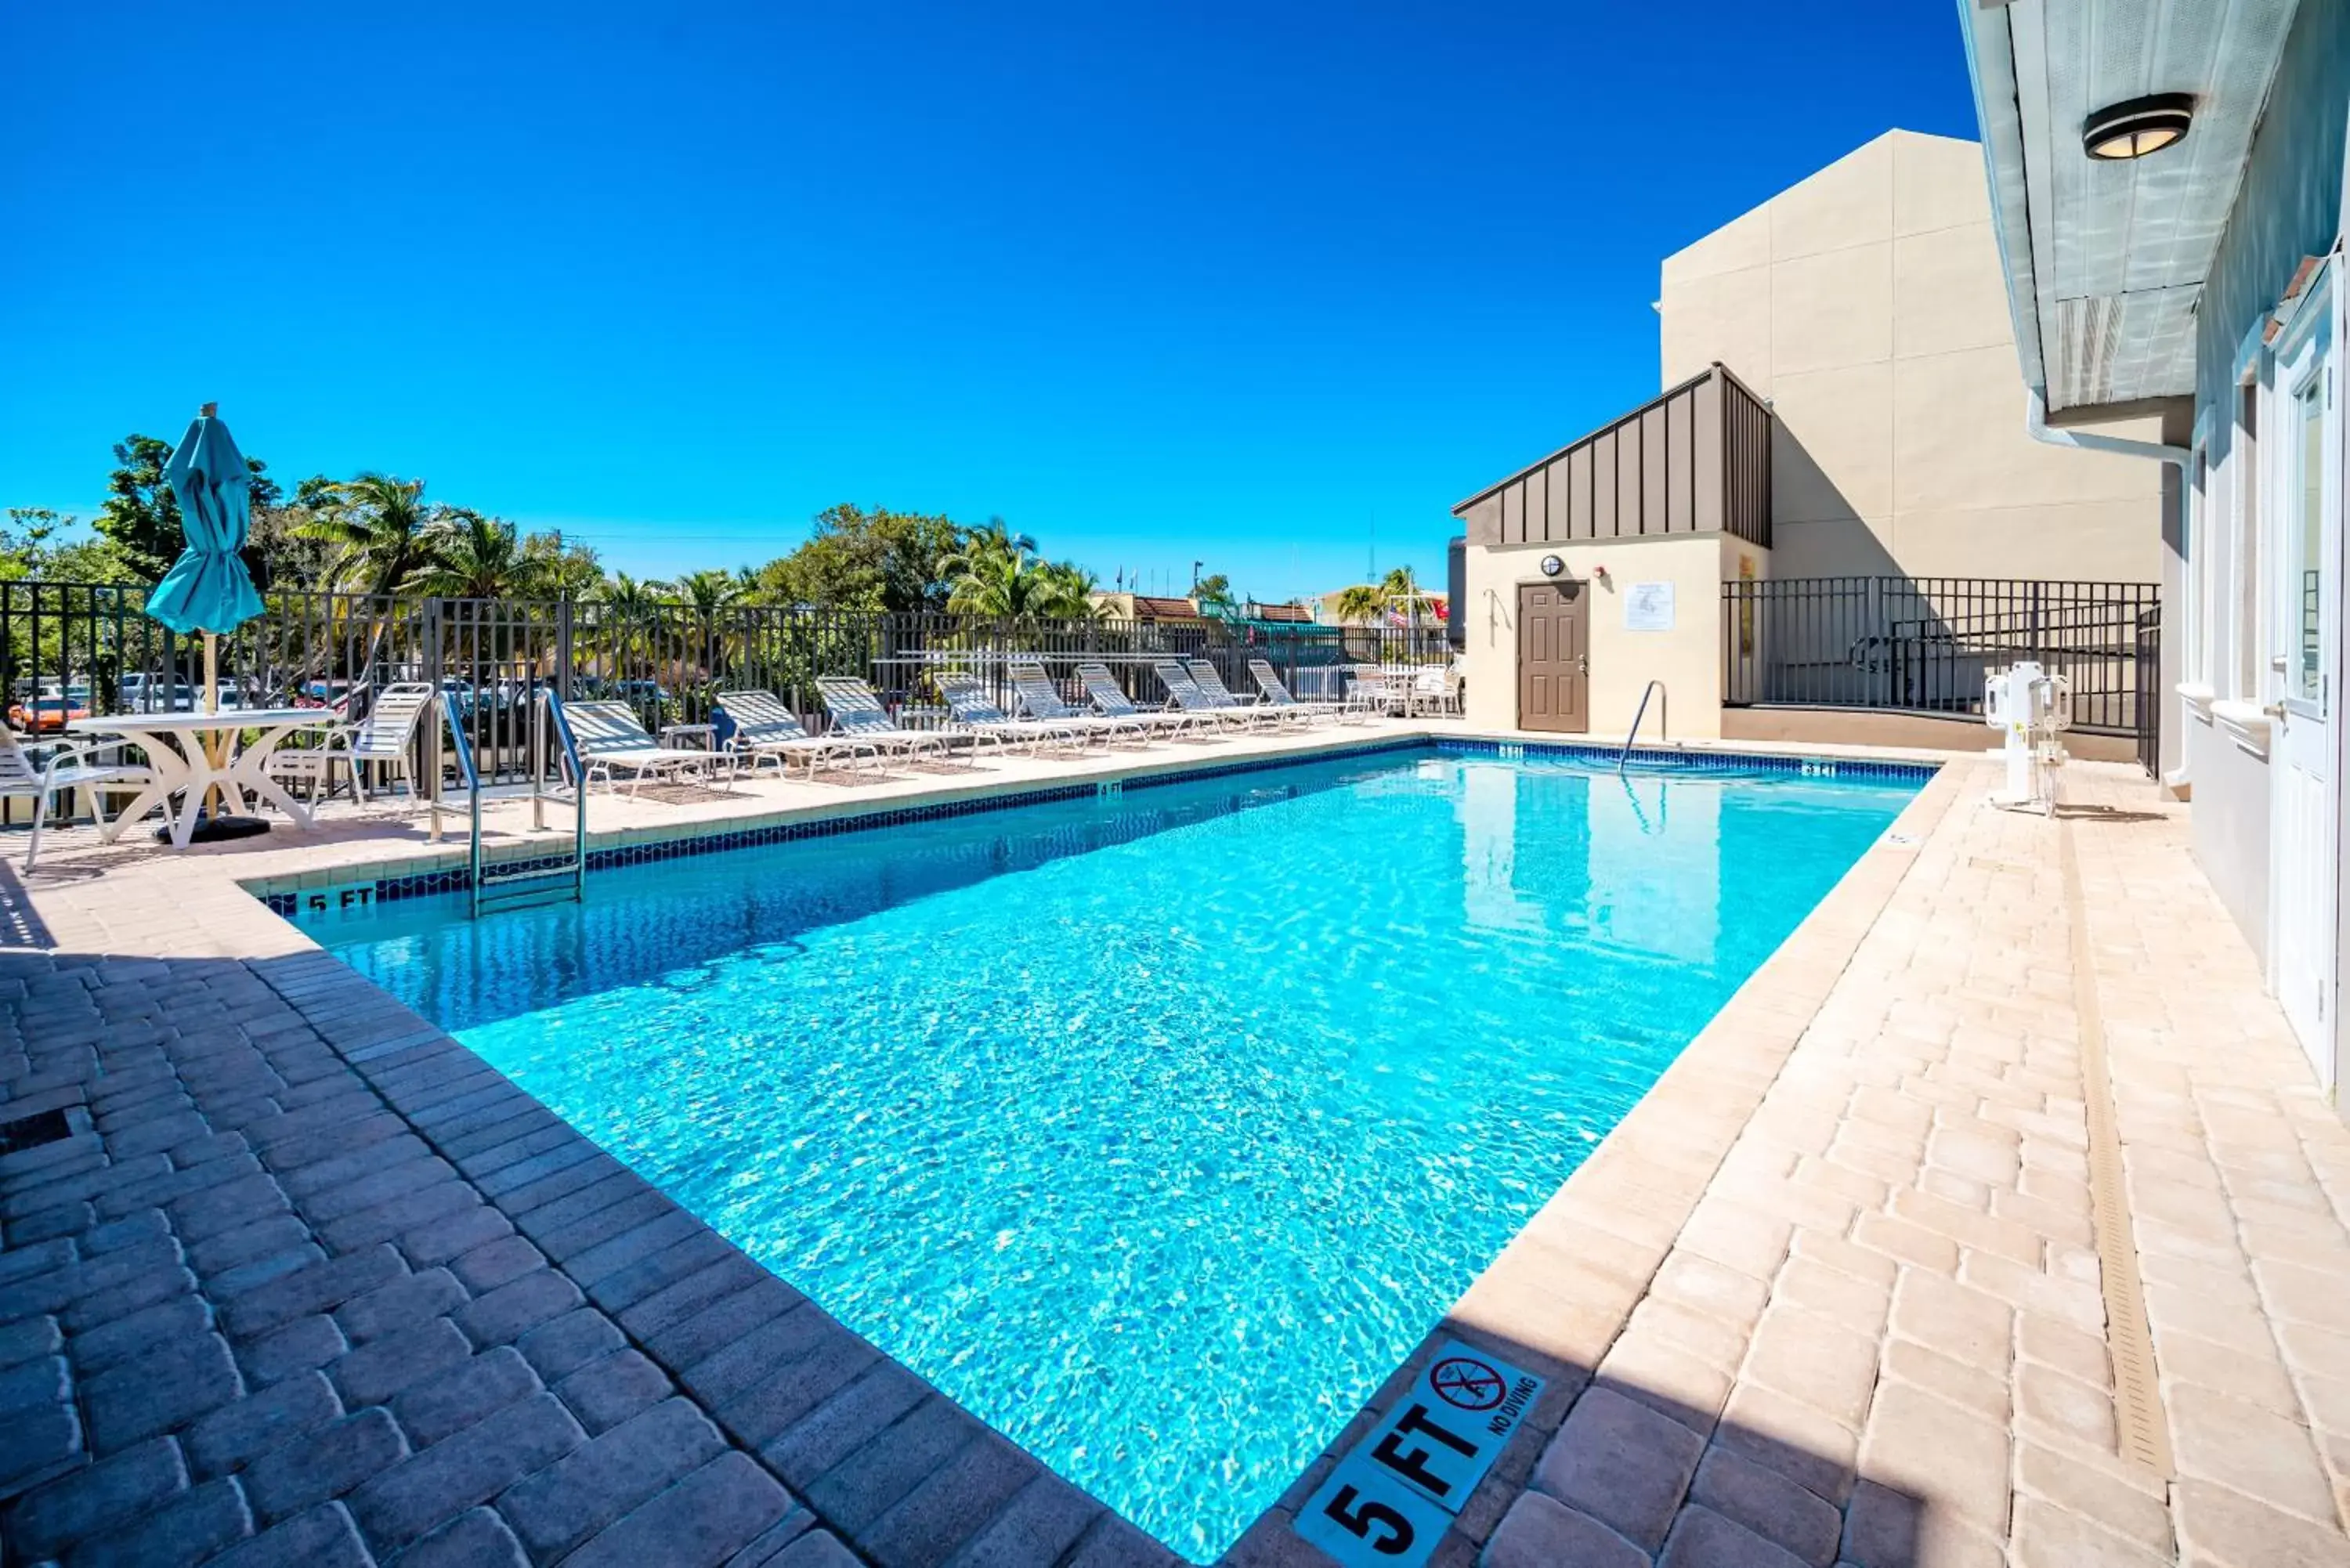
(1653, 688)
(539, 882)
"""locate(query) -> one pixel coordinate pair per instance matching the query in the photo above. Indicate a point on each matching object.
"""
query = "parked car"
(144, 693)
(50, 710)
(331, 694)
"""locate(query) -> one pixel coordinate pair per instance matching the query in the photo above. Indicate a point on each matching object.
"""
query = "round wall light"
(1552, 565)
(2142, 125)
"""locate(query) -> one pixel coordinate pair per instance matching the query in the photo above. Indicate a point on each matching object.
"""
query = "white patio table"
(191, 755)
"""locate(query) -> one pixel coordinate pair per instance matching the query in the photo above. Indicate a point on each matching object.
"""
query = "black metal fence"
(2150, 683)
(1924, 644)
(73, 647)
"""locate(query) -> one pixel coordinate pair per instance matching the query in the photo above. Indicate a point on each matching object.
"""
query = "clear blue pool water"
(1156, 1128)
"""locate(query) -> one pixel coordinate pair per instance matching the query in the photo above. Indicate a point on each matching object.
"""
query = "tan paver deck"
(318, 1283)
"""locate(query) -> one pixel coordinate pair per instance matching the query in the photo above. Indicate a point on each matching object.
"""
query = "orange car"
(51, 710)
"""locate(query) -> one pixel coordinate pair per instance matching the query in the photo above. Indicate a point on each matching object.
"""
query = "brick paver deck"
(312, 1284)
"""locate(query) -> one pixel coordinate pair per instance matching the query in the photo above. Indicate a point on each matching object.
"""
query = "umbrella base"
(211, 829)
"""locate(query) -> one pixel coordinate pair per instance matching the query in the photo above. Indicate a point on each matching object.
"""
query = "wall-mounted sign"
(1649, 607)
(1392, 1500)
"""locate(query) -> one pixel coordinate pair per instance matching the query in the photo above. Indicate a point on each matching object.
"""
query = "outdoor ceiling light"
(2142, 125)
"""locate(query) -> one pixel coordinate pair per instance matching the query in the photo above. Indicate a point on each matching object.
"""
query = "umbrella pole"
(215, 743)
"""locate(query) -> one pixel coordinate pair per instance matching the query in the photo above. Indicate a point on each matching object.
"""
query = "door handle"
(1583, 664)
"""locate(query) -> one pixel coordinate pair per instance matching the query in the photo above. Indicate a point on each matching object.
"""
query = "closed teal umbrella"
(208, 589)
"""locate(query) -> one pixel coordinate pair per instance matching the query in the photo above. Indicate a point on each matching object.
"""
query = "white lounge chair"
(1033, 690)
(856, 711)
(1277, 695)
(612, 740)
(1189, 695)
(1210, 680)
(976, 715)
(80, 767)
(1104, 691)
(765, 727)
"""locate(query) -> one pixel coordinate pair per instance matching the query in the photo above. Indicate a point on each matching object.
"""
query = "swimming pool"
(1127, 1120)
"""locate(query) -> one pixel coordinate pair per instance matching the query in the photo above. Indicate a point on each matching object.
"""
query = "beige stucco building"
(1865, 310)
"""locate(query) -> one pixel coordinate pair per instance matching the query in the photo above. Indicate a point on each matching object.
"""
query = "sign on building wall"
(1649, 607)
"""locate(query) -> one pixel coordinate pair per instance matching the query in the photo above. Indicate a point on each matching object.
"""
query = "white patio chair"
(384, 740)
(71, 768)
(1434, 689)
(1372, 692)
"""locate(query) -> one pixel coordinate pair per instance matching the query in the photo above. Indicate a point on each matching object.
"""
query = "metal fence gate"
(1923, 645)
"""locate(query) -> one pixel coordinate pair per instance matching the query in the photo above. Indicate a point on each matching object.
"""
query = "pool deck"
(310, 1283)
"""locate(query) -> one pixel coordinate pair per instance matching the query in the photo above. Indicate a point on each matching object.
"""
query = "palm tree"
(469, 556)
(1067, 592)
(381, 524)
(708, 592)
(1001, 583)
(1401, 587)
(995, 536)
(1361, 605)
(627, 611)
(1008, 585)
(560, 569)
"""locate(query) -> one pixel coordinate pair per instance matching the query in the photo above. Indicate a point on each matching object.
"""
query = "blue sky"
(1154, 283)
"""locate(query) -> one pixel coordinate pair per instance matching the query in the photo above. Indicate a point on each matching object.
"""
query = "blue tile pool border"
(288, 903)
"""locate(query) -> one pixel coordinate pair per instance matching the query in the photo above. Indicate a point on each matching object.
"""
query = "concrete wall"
(1926, 731)
(1687, 659)
(2230, 822)
(1867, 303)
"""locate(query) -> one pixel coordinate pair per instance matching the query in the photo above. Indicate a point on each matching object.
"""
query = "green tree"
(867, 559)
(140, 517)
(469, 556)
(1214, 592)
(382, 528)
(707, 592)
(38, 542)
(1006, 583)
(1361, 605)
(1400, 589)
(563, 568)
(1069, 591)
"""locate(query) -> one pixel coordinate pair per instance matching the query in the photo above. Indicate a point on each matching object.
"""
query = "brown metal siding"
(1746, 462)
(1695, 460)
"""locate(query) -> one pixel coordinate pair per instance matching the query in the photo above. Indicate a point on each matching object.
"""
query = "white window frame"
(2300, 361)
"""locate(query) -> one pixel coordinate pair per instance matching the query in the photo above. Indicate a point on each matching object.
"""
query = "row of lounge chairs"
(613, 743)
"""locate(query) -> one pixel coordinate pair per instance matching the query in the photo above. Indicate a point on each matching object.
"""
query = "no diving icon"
(1467, 1382)
(1392, 1498)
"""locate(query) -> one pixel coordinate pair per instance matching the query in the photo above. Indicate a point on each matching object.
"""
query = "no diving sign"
(1392, 1497)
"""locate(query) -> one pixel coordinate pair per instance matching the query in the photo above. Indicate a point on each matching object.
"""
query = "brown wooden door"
(1553, 659)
